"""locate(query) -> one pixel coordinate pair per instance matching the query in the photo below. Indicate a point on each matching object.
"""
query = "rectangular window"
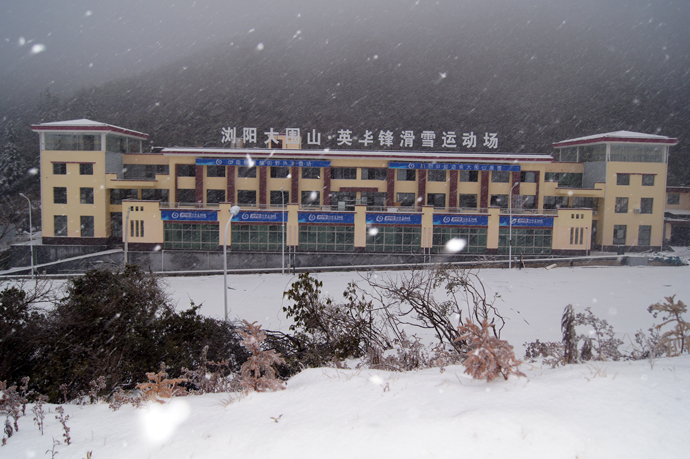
(469, 176)
(280, 171)
(153, 195)
(60, 195)
(139, 171)
(59, 168)
(646, 205)
(438, 200)
(638, 153)
(344, 173)
(391, 238)
(622, 179)
(215, 171)
(374, 173)
(319, 238)
(162, 169)
(374, 199)
(475, 238)
(500, 176)
(115, 224)
(528, 177)
(186, 195)
(310, 198)
(405, 199)
(117, 195)
(246, 197)
(246, 172)
(278, 198)
(673, 199)
(85, 169)
(257, 237)
(499, 200)
(215, 196)
(86, 225)
(345, 200)
(468, 201)
(73, 142)
(60, 225)
(645, 235)
(565, 179)
(647, 179)
(311, 172)
(194, 236)
(86, 195)
(579, 201)
(186, 170)
(434, 175)
(407, 175)
(619, 234)
(555, 202)
(621, 205)
(525, 240)
(527, 201)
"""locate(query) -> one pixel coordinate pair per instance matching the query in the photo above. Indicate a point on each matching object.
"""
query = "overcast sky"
(72, 43)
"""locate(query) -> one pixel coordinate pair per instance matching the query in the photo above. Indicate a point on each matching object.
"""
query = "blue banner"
(455, 167)
(260, 162)
(321, 217)
(394, 219)
(181, 215)
(461, 220)
(260, 217)
(520, 220)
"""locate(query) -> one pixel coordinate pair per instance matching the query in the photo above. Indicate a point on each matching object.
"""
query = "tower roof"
(85, 125)
(618, 136)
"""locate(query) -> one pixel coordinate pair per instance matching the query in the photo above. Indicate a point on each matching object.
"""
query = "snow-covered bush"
(257, 372)
(487, 356)
(677, 339)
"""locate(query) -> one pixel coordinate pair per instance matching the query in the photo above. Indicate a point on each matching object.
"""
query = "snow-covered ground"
(597, 410)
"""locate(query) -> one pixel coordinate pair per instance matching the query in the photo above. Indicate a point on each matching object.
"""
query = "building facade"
(99, 187)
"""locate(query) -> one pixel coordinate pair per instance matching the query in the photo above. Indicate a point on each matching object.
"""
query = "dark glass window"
(467, 201)
(280, 171)
(279, 197)
(310, 198)
(85, 169)
(500, 176)
(60, 225)
(246, 197)
(435, 175)
(60, 195)
(59, 168)
(186, 195)
(437, 200)
(469, 176)
(344, 173)
(86, 225)
(153, 195)
(555, 202)
(246, 172)
(673, 199)
(646, 205)
(499, 200)
(647, 179)
(116, 224)
(215, 196)
(405, 199)
(374, 173)
(162, 169)
(407, 175)
(621, 205)
(86, 195)
(619, 234)
(186, 170)
(622, 179)
(528, 177)
(645, 235)
(117, 195)
(215, 171)
(311, 172)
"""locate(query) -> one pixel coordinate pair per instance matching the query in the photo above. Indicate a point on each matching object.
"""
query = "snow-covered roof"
(86, 125)
(618, 136)
(359, 154)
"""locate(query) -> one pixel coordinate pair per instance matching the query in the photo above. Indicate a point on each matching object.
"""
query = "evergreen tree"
(12, 163)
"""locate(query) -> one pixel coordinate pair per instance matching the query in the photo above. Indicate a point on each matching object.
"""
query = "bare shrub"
(599, 341)
(160, 388)
(551, 352)
(257, 372)
(676, 340)
(487, 355)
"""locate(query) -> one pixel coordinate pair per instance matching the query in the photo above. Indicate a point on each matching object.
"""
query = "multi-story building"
(600, 191)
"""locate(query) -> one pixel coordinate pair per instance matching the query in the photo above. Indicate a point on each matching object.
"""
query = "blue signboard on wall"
(461, 220)
(520, 220)
(321, 217)
(182, 215)
(455, 167)
(394, 219)
(260, 162)
(260, 217)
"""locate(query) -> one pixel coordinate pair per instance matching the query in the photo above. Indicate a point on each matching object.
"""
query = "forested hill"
(530, 95)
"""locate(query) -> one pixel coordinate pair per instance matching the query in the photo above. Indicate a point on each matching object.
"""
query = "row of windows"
(624, 179)
(619, 152)
(646, 206)
(644, 235)
(60, 195)
(525, 240)
(61, 168)
(86, 226)
(327, 238)
(474, 238)
(190, 236)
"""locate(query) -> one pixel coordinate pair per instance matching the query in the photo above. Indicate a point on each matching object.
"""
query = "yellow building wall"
(73, 181)
(567, 220)
(142, 212)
